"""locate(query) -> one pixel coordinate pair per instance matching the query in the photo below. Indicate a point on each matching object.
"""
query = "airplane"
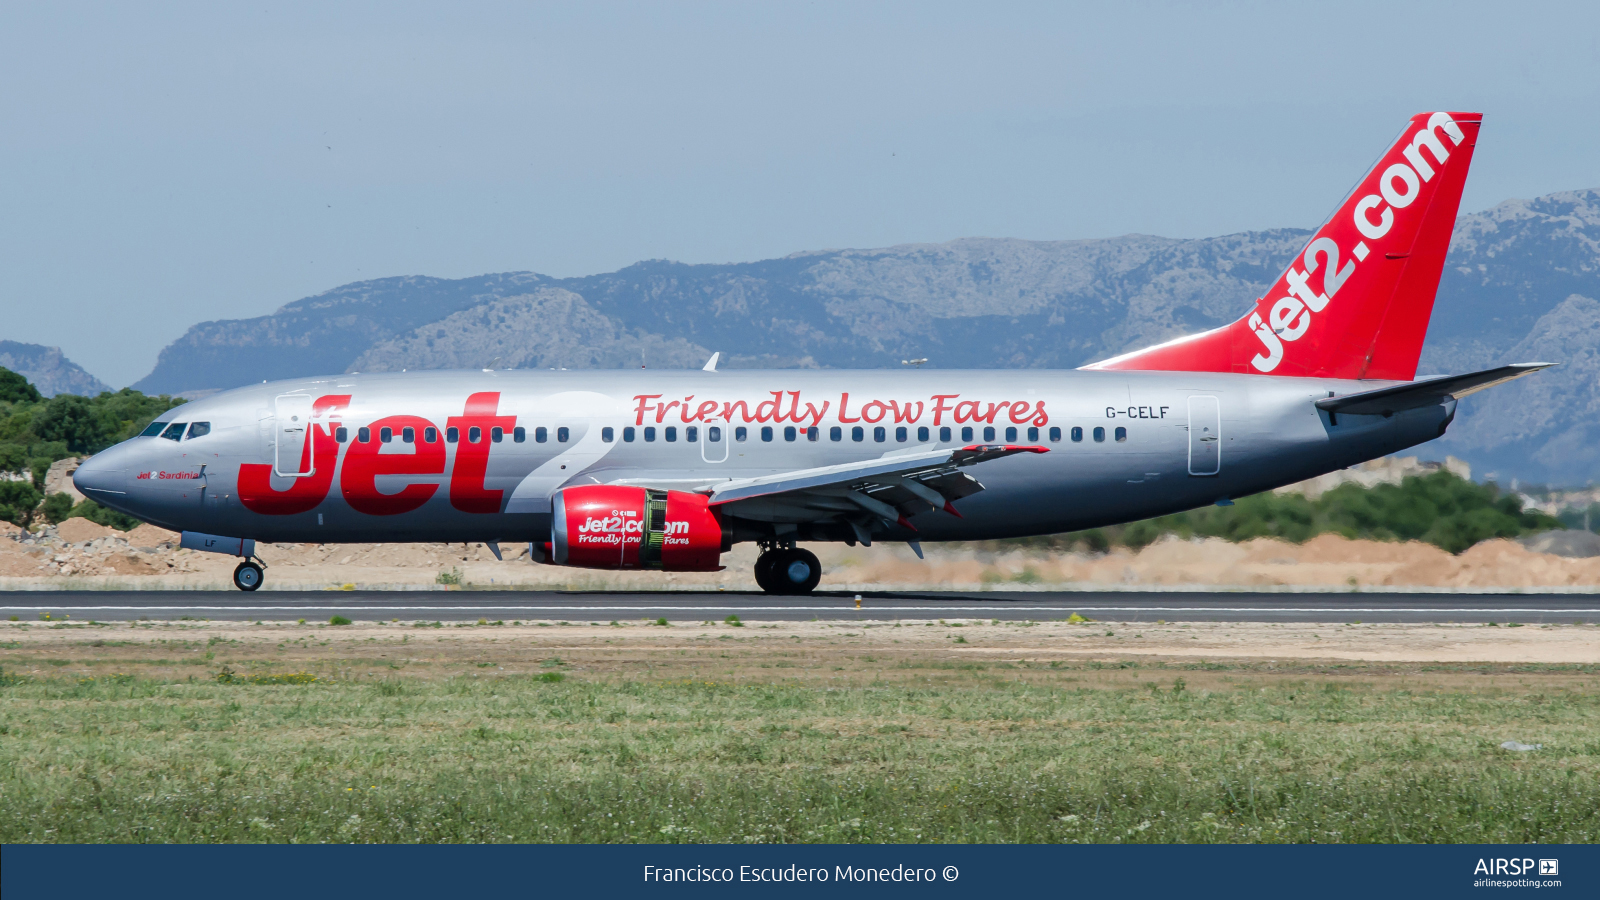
(668, 470)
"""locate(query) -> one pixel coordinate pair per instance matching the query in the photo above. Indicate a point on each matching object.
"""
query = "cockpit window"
(199, 429)
(174, 431)
(153, 429)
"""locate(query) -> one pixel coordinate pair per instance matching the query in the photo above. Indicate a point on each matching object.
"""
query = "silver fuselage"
(1267, 434)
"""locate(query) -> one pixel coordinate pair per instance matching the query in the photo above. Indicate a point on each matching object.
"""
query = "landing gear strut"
(247, 575)
(787, 570)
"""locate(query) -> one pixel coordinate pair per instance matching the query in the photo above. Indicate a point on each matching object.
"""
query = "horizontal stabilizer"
(1427, 392)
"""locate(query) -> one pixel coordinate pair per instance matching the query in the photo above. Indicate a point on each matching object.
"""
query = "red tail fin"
(1355, 303)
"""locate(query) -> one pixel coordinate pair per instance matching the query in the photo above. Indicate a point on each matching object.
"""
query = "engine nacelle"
(602, 526)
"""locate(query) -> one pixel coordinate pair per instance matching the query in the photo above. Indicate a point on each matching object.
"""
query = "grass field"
(790, 733)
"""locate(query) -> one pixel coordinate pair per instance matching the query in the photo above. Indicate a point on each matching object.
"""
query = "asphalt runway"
(592, 606)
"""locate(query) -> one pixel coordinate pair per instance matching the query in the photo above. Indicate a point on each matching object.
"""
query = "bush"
(18, 499)
(56, 508)
(338, 620)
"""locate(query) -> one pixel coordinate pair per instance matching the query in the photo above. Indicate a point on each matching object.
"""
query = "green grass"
(529, 758)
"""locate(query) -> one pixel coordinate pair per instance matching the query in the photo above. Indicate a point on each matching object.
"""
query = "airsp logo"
(1549, 867)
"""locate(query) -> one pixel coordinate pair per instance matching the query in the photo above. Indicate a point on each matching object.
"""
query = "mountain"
(50, 371)
(1516, 282)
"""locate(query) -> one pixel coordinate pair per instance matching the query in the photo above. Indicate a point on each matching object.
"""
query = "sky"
(170, 164)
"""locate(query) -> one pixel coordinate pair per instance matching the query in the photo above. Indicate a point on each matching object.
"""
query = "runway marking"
(464, 607)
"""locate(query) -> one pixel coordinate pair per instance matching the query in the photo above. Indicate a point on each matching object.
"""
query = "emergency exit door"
(1205, 435)
(291, 451)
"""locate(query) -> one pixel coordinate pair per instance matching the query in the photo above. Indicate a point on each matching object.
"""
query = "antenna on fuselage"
(711, 364)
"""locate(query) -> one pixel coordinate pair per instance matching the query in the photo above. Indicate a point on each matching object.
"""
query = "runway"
(584, 606)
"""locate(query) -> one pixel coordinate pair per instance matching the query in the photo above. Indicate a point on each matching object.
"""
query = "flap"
(846, 474)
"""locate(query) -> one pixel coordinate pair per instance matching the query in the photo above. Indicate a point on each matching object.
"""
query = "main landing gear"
(787, 570)
(247, 576)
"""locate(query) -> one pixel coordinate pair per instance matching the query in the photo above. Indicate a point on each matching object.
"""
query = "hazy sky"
(168, 165)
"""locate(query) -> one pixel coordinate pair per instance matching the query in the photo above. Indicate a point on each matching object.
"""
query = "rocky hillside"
(48, 370)
(1522, 282)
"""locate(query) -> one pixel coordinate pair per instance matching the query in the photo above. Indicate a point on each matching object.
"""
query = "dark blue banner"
(345, 872)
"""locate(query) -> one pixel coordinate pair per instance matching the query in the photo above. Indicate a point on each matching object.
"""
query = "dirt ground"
(79, 554)
(854, 652)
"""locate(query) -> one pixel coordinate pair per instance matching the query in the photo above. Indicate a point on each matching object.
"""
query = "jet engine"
(601, 526)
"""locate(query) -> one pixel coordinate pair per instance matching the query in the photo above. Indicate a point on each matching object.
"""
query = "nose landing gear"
(247, 576)
(787, 570)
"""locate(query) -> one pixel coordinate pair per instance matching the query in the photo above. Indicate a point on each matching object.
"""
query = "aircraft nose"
(101, 475)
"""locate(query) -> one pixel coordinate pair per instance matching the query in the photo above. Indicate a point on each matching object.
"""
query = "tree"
(16, 389)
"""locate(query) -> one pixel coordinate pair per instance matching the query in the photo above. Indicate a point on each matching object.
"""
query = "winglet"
(711, 364)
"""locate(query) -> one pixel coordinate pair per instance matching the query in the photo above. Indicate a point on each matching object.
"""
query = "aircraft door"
(292, 456)
(714, 442)
(1205, 435)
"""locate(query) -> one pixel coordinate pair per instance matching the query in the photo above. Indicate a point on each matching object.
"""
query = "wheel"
(763, 571)
(795, 571)
(247, 576)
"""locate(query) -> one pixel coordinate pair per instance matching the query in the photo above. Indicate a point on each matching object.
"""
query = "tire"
(795, 572)
(763, 571)
(247, 576)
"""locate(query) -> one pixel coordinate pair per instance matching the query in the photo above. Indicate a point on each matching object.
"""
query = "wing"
(863, 493)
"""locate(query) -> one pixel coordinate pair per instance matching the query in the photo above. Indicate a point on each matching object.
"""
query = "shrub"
(550, 677)
(56, 508)
(733, 621)
(338, 620)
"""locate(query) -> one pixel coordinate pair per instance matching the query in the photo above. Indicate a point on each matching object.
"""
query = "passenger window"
(988, 434)
(691, 434)
(430, 435)
(364, 434)
(966, 434)
(835, 433)
(1033, 435)
(650, 433)
(561, 434)
(174, 431)
(1122, 433)
(627, 434)
(606, 434)
(474, 435)
(451, 434)
(766, 433)
(858, 434)
(1055, 434)
(1099, 434)
(497, 434)
(741, 433)
(386, 434)
(408, 434)
(341, 434)
(880, 434)
(153, 429)
(944, 433)
(901, 435)
(519, 434)
(714, 434)
(922, 434)
(542, 434)
(1011, 434)
(813, 433)
(789, 433)
(672, 434)
(1077, 434)
(199, 429)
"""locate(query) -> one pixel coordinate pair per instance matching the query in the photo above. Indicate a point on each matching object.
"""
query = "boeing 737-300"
(669, 469)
